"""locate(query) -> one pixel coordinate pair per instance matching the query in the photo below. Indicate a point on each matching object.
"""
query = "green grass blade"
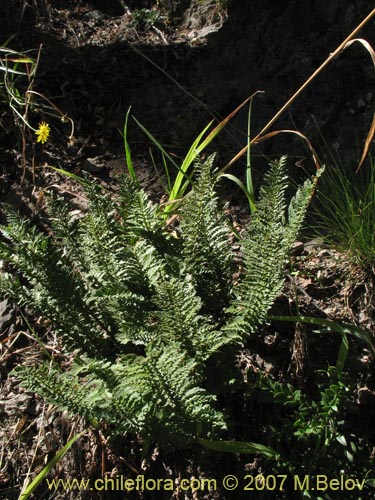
(343, 353)
(75, 177)
(343, 212)
(196, 148)
(249, 194)
(156, 142)
(166, 170)
(178, 187)
(183, 180)
(51, 464)
(191, 155)
(165, 188)
(249, 177)
(128, 156)
(222, 124)
(239, 447)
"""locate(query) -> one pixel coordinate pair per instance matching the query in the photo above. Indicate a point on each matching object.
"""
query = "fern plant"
(143, 309)
(272, 231)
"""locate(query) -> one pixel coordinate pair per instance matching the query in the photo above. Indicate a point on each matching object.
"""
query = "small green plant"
(315, 435)
(17, 75)
(145, 19)
(146, 311)
(344, 212)
(18, 72)
(311, 429)
(178, 185)
(23, 105)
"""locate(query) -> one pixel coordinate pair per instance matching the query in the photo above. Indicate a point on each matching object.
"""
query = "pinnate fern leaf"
(150, 315)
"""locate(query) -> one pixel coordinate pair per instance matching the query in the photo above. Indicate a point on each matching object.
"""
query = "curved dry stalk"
(371, 132)
(345, 44)
(64, 116)
(262, 138)
(296, 132)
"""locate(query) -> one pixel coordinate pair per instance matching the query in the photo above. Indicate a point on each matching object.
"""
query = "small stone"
(7, 314)
(361, 103)
(324, 253)
(17, 403)
(94, 165)
(365, 397)
(267, 364)
(297, 248)
(310, 245)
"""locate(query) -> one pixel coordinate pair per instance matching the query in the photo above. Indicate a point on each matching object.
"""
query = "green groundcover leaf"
(239, 447)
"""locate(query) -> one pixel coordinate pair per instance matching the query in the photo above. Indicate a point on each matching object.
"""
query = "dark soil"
(194, 66)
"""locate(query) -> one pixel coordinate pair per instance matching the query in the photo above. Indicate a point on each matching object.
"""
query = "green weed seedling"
(145, 19)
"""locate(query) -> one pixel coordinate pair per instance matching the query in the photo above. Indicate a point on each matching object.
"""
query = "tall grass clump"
(344, 212)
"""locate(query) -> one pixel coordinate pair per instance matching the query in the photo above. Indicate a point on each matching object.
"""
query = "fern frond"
(266, 248)
(185, 408)
(298, 206)
(207, 252)
(178, 319)
(62, 389)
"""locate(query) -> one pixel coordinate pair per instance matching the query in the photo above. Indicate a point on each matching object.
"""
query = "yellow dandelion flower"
(43, 132)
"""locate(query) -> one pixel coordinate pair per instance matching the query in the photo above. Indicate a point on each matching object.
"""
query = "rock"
(7, 314)
(365, 397)
(266, 363)
(324, 253)
(203, 17)
(94, 165)
(310, 245)
(297, 248)
(16, 404)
